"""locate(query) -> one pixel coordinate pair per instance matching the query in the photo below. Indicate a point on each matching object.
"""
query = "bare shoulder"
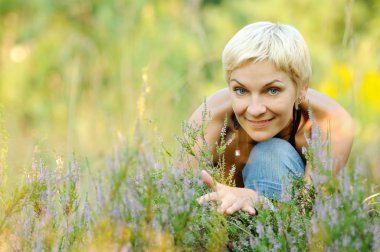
(217, 106)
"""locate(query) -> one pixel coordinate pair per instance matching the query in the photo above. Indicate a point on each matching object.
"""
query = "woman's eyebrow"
(267, 84)
(272, 82)
(238, 82)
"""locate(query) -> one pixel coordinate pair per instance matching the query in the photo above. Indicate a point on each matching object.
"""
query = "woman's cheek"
(238, 109)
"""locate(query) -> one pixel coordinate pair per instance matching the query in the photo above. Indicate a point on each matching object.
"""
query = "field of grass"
(92, 94)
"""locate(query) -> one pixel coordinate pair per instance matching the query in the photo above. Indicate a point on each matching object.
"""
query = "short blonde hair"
(281, 44)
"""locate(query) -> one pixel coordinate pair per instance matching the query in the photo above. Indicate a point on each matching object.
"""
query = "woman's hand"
(231, 199)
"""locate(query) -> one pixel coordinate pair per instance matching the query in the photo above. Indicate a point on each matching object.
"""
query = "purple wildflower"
(376, 235)
(314, 225)
(346, 241)
(259, 228)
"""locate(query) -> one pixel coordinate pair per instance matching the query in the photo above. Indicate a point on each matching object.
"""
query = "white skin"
(262, 98)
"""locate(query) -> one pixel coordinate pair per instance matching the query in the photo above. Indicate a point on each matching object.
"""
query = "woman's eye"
(273, 91)
(240, 91)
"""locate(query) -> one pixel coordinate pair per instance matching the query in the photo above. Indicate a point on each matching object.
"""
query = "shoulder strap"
(236, 123)
(296, 123)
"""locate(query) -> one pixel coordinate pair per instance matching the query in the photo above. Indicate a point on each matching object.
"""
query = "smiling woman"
(268, 70)
(262, 99)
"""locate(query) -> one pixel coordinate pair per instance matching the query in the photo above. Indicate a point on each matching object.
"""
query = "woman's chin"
(261, 137)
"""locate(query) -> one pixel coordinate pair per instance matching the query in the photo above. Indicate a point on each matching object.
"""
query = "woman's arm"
(335, 121)
(212, 114)
(342, 130)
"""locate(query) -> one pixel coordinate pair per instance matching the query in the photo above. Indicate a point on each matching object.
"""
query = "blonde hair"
(281, 44)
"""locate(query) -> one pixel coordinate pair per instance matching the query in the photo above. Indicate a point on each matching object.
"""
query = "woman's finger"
(250, 209)
(233, 208)
(207, 179)
(213, 196)
(226, 203)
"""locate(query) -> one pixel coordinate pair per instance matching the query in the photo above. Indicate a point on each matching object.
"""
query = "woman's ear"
(304, 89)
(301, 95)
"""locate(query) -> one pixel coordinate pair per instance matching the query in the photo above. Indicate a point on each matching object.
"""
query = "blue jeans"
(271, 166)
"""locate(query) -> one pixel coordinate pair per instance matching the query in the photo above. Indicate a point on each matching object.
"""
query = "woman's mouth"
(258, 124)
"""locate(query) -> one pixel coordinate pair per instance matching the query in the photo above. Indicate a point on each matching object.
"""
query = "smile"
(259, 124)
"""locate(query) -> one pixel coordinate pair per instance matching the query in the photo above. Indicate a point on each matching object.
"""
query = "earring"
(236, 126)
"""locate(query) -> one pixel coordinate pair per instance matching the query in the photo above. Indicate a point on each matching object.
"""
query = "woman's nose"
(256, 107)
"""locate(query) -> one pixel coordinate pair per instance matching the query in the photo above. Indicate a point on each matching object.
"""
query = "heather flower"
(345, 241)
(376, 234)
(259, 228)
(139, 201)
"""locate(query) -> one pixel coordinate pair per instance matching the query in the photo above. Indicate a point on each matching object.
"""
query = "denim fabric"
(271, 166)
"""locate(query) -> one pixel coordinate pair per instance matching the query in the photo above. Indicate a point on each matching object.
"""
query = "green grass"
(140, 202)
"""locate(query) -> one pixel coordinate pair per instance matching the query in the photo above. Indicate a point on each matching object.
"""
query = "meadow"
(92, 99)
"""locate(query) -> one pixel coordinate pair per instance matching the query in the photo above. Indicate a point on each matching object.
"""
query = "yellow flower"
(368, 91)
(329, 89)
(345, 76)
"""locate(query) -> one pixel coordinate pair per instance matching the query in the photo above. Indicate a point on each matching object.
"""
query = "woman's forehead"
(259, 73)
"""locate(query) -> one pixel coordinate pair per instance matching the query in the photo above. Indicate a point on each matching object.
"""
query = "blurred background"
(76, 75)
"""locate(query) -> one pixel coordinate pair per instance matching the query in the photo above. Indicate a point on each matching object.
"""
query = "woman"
(268, 70)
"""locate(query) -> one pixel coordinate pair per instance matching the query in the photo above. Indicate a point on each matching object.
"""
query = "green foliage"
(138, 203)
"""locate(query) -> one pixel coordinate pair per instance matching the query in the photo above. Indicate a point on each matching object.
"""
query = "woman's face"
(262, 99)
